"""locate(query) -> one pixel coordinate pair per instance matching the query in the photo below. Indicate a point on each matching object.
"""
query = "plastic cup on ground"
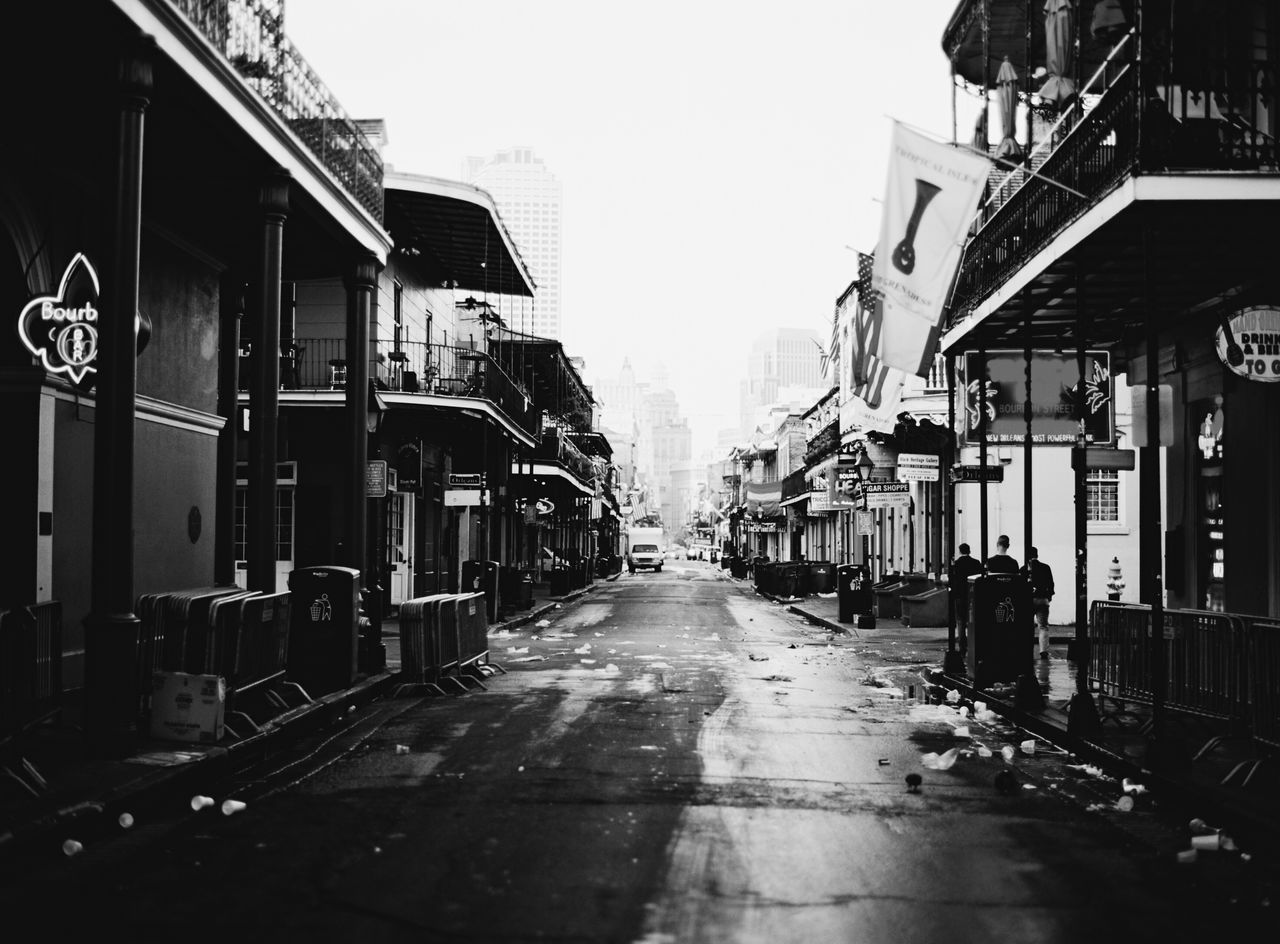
(1007, 753)
(71, 847)
(231, 806)
(199, 802)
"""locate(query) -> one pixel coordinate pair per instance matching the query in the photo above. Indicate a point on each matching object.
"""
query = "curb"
(823, 621)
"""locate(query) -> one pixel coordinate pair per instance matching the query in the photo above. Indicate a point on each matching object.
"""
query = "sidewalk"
(1121, 749)
(85, 794)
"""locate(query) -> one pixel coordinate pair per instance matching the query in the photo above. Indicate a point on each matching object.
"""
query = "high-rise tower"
(528, 196)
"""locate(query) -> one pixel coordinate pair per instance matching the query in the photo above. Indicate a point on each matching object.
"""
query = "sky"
(721, 160)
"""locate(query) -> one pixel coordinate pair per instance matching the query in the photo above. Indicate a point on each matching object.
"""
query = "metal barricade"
(1262, 645)
(420, 643)
(473, 637)
(30, 684)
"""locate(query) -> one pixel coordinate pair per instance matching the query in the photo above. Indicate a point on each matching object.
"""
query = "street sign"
(976, 473)
(887, 494)
(866, 523)
(466, 479)
(918, 467)
(375, 479)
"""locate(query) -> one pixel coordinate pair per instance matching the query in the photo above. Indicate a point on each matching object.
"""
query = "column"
(230, 309)
(264, 391)
(360, 282)
(111, 629)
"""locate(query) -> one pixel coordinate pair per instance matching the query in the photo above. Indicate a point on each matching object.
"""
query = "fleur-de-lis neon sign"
(62, 329)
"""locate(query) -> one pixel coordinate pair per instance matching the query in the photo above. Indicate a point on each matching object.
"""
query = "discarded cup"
(125, 820)
(1212, 842)
(943, 761)
(964, 711)
(962, 732)
(1007, 753)
(984, 752)
(199, 802)
(1130, 786)
(1187, 856)
(70, 847)
(953, 696)
(1028, 746)
(1125, 804)
(402, 748)
(979, 707)
(231, 806)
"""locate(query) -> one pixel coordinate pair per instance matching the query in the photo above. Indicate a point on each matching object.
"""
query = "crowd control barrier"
(444, 644)
(30, 683)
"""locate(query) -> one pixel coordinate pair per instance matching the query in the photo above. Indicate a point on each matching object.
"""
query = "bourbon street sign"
(62, 329)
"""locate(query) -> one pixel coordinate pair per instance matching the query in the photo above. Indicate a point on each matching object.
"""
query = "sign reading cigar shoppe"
(62, 329)
(1256, 332)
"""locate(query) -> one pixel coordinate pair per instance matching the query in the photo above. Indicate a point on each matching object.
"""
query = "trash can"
(559, 581)
(1001, 628)
(481, 576)
(822, 577)
(786, 579)
(853, 592)
(324, 628)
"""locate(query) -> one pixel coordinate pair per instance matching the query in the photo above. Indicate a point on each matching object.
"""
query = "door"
(400, 530)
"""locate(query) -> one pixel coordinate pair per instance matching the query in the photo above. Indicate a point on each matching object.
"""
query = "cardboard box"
(188, 707)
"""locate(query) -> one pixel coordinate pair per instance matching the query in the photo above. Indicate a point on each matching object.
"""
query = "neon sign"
(62, 329)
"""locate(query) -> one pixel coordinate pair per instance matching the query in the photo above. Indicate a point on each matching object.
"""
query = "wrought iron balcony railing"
(250, 33)
(1213, 118)
(412, 367)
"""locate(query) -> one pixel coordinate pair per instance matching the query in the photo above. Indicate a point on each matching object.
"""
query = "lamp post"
(863, 469)
(375, 650)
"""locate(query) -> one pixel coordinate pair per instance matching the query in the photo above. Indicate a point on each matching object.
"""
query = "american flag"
(829, 357)
(869, 374)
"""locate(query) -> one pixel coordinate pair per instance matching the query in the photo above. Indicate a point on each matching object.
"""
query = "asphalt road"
(670, 759)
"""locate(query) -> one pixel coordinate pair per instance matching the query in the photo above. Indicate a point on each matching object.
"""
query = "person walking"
(1040, 576)
(962, 568)
(1000, 562)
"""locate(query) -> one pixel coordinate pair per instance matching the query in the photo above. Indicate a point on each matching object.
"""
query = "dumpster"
(853, 592)
(324, 627)
(481, 576)
(1001, 628)
(559, 581)
(786, 579)
(515, 588)
(821, 577)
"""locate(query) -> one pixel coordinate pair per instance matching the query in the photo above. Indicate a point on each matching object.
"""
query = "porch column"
(361, 281)
(230, 308)
(111, 629)
(264, 391)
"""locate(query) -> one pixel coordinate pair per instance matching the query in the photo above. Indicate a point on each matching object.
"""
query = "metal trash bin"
(481, 576)
(853, 593)
(786, 579)
(1001, 628)
(559, 581)
(323, 628)
(821, 577)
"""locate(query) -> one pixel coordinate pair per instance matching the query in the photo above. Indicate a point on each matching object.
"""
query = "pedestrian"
(1000, 562)
(1040, 575)
(962, 568)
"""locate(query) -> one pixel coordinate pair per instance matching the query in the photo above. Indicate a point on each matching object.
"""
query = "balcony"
(1209, 122)
(428, 369)
(250, 34)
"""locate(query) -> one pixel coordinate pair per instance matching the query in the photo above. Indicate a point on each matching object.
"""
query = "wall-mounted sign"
(461, 497)
(375, 479)
(546, 506)
(408, 468)
(1053, 398)
(843, 484)
(1256, 331)
(62, 329)
(887, 494)
(466, 479)
(918, 467)
(866, 523)
(819, 502)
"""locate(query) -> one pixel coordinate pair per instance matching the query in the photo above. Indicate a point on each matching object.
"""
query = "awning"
(794, 501)
(543, 470)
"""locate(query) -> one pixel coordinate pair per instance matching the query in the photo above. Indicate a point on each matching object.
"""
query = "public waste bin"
(786, 579)
(853, 593)
(1001, 628)
(821, 577)
(559, 581)
(324, 634)
(481, 576)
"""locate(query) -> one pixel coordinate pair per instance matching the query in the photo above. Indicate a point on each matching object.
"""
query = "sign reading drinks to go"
(1257, 333)
(62, 329)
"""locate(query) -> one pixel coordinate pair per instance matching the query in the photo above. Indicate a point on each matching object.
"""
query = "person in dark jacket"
(1001, 562)
(962, 568)
(1040, 576)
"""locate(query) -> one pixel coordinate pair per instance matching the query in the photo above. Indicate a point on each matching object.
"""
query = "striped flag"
(872, 390)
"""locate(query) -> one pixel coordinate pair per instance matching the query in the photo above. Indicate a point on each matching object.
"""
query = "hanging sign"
(408, 468)
(918, 467)
(466, 479)
(1256, 331)
(546, 506)
(866, 522)
(976, 473)
(1054, 379)
(461, 497)
(62, 329)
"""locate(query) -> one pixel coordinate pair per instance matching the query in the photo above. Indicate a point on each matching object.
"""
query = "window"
(1103, 495)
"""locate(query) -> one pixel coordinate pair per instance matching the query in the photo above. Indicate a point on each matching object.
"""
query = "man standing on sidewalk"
(1040, 575)
(1000, 562)
(962, 568)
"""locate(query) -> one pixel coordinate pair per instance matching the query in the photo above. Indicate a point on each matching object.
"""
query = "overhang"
(457, 231)
(546, 470)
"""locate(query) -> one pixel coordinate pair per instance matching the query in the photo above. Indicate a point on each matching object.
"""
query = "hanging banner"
(930, 198)
(871, 391)
(1053, 398)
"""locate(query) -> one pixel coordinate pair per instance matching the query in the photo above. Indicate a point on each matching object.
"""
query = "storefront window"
(1103, 498)
(1210, 501)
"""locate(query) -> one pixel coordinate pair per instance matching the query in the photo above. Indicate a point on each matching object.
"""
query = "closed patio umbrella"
(1007, 94)
(1059, 52)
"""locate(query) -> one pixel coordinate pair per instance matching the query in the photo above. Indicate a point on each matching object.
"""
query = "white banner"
(930, 198)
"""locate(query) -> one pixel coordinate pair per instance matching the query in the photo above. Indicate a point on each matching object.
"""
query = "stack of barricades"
(444, 644)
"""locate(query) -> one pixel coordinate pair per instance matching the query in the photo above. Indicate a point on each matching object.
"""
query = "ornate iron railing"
(250, 33)
(412, 367)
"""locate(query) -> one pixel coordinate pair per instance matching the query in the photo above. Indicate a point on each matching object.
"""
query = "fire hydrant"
(1114, 583)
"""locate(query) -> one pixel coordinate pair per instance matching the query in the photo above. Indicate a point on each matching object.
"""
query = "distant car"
(644, 556)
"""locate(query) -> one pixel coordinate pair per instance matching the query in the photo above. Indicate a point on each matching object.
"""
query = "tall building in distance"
(529, 197)
(784, 364)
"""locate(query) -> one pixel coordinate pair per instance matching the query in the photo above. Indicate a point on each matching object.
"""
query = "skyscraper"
(782, 363)
(528, 198)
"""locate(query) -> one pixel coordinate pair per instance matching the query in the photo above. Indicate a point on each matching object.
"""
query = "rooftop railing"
(250, 33)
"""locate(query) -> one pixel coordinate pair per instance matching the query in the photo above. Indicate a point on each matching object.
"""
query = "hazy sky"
(717, 157)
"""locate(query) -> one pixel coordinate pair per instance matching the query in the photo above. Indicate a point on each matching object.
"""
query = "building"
(529, 198)
(784, 366)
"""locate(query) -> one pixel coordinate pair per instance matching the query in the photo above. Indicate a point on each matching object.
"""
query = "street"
(671, 759)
